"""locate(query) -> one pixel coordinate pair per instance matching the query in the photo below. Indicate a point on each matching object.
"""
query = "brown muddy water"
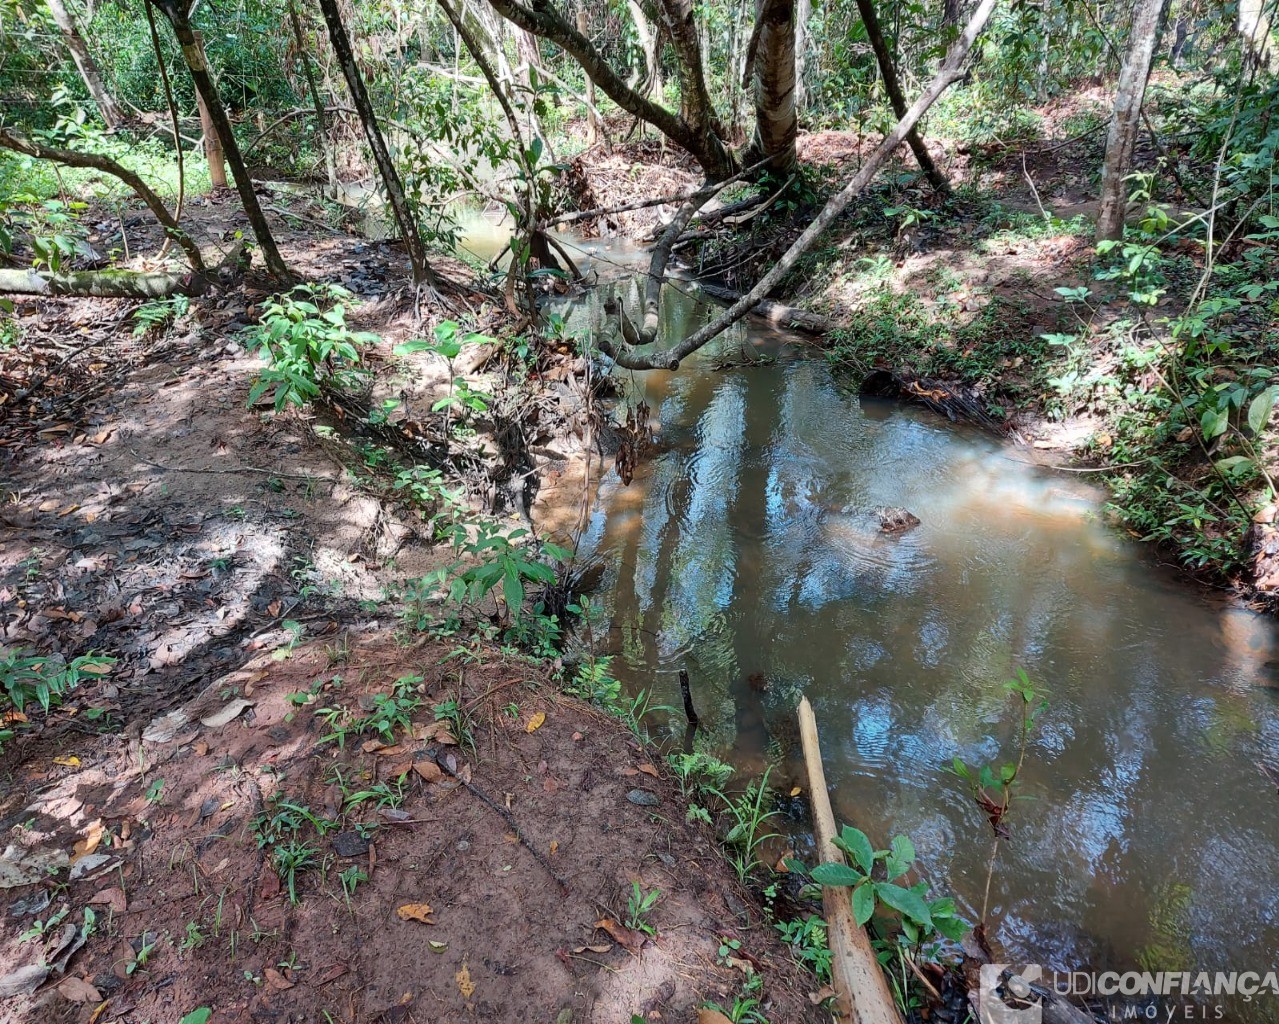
(1145, 835)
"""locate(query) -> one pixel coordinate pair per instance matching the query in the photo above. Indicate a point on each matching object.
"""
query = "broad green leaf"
(904, 901)
(836, 874)
(863, 903)
(855, 843)
(1260, 409)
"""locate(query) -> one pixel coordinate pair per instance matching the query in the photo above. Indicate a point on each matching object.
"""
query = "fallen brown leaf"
(629, 940)
(464, 983)
(112, 897)
(415, 912)
(429, 770)
(77, 990)
(275, 981)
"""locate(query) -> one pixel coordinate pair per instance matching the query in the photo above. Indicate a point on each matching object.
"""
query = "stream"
(1144, 836)
(746, 551)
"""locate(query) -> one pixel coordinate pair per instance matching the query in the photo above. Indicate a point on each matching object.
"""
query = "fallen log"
(106, 284)
(954, 401)
(776, 312)
(861, 991)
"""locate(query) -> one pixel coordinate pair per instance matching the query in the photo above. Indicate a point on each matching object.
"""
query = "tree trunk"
(321, 118)
(592, 115)
(774, 73)
(888, 72)
(178, 14)
(1126, 122)
(803, 12)
(422, 273)
(85, 64)
(696, 128)
(211, 143)
(652, 86)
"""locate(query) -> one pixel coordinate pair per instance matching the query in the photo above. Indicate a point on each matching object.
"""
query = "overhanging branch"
(951, 71)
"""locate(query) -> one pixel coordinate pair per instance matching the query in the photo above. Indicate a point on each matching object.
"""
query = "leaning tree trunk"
(85, 64)
(695, 129)
(72, 158)
(773, 49)
(422, 273)
(1126, 122)
(178, 13)
(892, 86)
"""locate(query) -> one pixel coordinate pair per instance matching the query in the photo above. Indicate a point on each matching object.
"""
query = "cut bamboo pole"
(861, 991)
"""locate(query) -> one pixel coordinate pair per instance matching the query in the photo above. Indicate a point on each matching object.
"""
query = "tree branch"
(105, 164)
(949, 73)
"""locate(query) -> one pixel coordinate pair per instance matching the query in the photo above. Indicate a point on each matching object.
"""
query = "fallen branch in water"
(775, 312)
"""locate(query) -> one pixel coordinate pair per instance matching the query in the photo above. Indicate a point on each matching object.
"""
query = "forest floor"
(465, 850)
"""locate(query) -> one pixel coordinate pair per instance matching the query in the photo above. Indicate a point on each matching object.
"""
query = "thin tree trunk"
(592, 115)
(321, 117)
(85, 64)
(177, 13)
(892, 86)
(422, 273)
(1124, 125)
(653, 87)
(774, 74)
(803, 12)
(950, 72)
(214, 155)
(695, 128)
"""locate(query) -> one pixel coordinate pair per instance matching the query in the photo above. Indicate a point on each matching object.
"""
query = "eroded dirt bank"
(262, 720)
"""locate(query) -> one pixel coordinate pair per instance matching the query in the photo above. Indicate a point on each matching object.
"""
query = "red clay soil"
(167, 816)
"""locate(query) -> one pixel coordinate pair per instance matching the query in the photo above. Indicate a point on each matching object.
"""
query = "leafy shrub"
(306, 343)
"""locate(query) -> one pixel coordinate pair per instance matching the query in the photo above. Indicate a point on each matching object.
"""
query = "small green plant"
(155, 792)
(27, 678)
(746, 832)
(459, 722)
(390, 712)
(639, 905)
(807, 941)
(349, 880)
(200, 1015)
(40, 928)
(509, 563)
(290, 859)
(193, 938)
(873, 876)
(992, 786)
(139, 960)
(151, 316)
(306, 343)
(699, 773)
